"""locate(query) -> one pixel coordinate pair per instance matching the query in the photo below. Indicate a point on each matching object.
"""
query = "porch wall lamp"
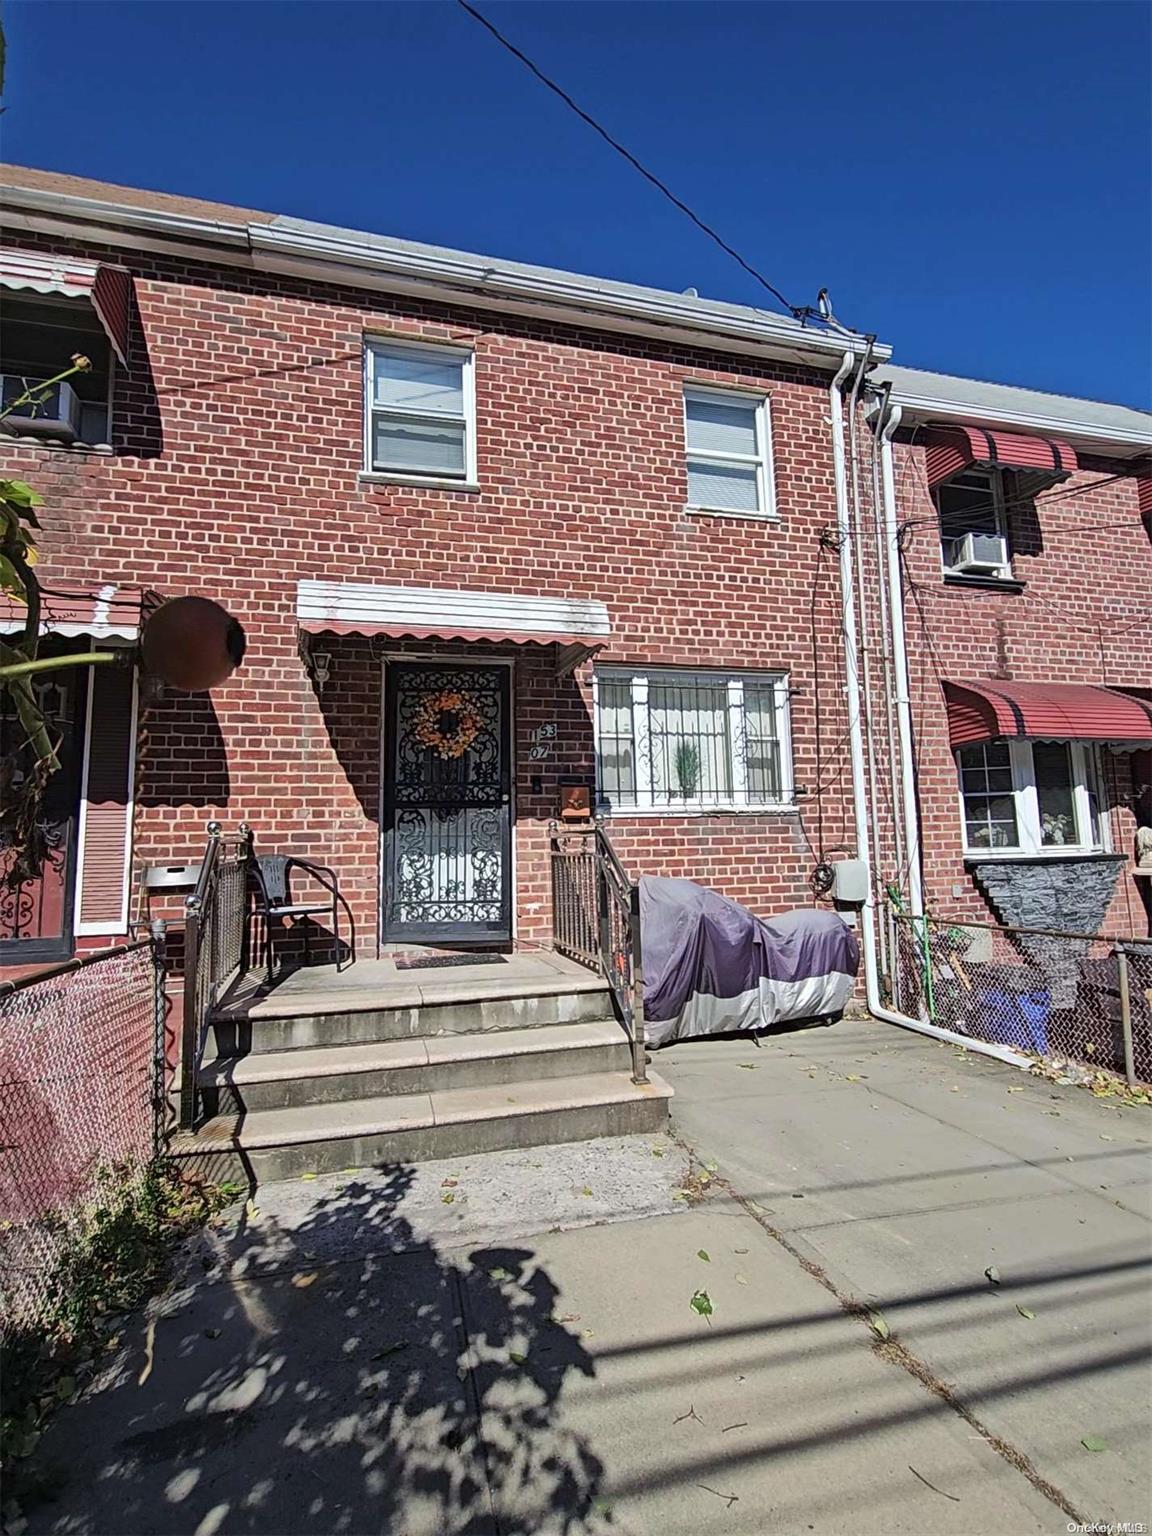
(320, 665)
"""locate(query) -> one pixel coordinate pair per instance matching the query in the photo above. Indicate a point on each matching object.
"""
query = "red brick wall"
(1084, 616)
(239, 437)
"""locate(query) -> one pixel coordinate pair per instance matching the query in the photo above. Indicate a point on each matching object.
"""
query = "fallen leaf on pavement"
(447, 1197)
(389, 1349)
(309, 1175)
(993, 1274)
(1093, 1443)
(449, 1183)
(747, 1066)
(1025, 1312)
(702, 1253)
(879, 1327)
(701, 1304)
(302, 1282)
(515, 1358)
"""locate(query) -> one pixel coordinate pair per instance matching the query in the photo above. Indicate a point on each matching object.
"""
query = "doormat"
(436, 962)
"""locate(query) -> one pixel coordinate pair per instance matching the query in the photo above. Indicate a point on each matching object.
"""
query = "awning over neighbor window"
(984, 710)
(580, 626)
(107, 289)
(950, 450)
(103, 613)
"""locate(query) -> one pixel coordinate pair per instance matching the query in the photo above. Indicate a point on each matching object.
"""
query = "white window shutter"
(106, 802)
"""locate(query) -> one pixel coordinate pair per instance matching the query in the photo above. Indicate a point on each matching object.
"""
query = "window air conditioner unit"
(978, 554)
(57, 417)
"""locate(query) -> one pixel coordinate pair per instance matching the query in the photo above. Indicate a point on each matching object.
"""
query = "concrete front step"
(273, 1144)
(351, 1017)
(424, 1064)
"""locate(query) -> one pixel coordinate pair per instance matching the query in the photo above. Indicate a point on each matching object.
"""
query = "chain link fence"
(81, 1101)
(1057, 996)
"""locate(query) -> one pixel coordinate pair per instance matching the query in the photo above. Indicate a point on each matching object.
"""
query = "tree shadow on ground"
(337, 1375)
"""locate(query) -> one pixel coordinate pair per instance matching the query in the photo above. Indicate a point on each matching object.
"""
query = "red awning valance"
(107, 289)
(984, 710)
(953, 449)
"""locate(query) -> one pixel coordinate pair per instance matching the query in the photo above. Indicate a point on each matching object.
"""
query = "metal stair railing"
(216, 945)
(596, 921)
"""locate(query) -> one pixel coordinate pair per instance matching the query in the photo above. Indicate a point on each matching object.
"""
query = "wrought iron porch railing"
(596, 921)
(216, 943)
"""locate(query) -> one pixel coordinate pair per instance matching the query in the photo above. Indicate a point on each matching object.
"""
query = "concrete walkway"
(904, 1169)
(414, 1352)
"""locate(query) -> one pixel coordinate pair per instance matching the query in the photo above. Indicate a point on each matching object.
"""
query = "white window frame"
(646, 802)
(1085, 777)
(761, 411)
(995, 479)
(373, 345)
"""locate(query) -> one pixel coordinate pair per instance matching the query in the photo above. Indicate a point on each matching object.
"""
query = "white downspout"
(911, 816)
(852, 680)
(855, 727)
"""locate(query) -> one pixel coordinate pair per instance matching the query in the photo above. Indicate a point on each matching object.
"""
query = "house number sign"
(543, 740)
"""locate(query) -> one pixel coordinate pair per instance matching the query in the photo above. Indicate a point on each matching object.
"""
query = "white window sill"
(43, 444)
(622, 812)
(1022, 855)
(434, 482)
(739, 517)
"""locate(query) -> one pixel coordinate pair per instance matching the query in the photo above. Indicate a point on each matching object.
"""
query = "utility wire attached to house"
(798, 311)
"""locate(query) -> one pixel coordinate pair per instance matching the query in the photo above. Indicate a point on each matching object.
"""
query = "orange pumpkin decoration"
(193, 644)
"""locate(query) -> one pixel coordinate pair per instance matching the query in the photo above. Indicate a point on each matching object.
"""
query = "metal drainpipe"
(856, 550)
(889, 687)
(852, 673)
(911, 816)
(855, 733)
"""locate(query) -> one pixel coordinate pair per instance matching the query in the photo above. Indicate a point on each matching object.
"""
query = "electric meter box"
(850, 882)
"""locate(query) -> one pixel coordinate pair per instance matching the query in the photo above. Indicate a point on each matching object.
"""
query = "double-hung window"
(974, 525)
(1030, 797)
(729, 443)
(420, 418)
(692, 741)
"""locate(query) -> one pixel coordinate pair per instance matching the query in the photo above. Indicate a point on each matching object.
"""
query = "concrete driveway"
(904, 1169)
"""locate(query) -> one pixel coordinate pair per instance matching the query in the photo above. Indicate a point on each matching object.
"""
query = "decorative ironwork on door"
(447, 803)
(36, 910)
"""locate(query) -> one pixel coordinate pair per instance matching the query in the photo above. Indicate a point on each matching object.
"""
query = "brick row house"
(573, 533)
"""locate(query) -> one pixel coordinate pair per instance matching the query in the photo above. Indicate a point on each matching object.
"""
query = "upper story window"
(420, 418)
(692, 741)
(729, 442)
(1030, 797)
(974, 525)
(39, 334)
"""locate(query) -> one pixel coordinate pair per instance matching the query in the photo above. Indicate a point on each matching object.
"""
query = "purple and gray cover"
(712, 967)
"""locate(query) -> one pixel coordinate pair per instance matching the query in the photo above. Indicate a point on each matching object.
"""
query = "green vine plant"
(25, 771)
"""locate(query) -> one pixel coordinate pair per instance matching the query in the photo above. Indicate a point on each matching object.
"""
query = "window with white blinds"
(729, 444)
(674, 741)
(420, 416)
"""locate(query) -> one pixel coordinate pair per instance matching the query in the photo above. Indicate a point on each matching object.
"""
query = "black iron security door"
(447, 804)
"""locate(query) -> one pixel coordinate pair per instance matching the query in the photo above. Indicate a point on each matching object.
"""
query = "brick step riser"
(351, 1026)
(475, 1072)
(266, 1165)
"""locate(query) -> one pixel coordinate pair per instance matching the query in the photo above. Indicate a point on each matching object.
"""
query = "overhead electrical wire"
(798, 312)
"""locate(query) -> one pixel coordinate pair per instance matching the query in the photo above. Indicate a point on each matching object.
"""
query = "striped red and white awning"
(950, 450)
(987, 710)
(102, 613)
(108, 289)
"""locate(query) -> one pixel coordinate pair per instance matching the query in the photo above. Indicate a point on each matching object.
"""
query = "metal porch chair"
(272, 882)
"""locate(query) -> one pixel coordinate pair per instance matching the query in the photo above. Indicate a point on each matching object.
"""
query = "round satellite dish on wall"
(193, 644)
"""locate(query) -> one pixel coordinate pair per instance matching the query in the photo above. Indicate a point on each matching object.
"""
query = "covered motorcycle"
(712, 967)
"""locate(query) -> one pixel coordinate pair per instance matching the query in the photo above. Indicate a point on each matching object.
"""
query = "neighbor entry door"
(447, 803)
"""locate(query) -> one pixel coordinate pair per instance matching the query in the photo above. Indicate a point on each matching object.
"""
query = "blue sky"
(971, 181)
